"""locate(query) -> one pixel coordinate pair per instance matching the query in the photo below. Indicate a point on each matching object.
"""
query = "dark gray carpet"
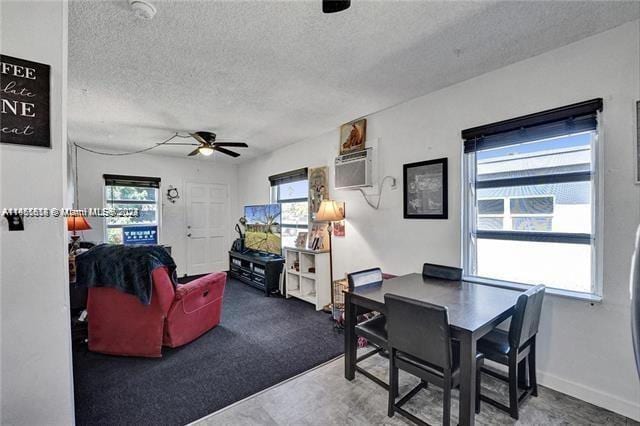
(260, 342)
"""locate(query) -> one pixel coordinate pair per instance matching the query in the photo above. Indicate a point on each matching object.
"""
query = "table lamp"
(330, 211)
(75, 224)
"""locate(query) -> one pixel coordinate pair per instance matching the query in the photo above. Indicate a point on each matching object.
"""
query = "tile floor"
(324, 397)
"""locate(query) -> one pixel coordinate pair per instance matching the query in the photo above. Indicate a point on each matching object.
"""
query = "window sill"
(588, 297)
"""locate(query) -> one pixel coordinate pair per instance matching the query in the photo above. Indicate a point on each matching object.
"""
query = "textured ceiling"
(274, 73)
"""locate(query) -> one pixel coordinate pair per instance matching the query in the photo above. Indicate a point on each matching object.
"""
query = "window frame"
(470, 233)
(107, 203)
(274, 196)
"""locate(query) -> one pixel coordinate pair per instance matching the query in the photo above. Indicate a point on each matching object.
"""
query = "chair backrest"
(163, 292)
(442, 272)
(365, 277)
(525, 320)
(419, 329)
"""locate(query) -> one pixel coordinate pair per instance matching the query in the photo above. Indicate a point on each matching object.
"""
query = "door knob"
(189, 234)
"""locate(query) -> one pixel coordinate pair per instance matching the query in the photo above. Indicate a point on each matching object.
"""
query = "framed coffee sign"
(24, 102)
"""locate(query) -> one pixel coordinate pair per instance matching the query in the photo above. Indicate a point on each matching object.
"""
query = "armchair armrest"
(201, 285)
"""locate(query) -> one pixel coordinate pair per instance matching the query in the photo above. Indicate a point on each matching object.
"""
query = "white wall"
(584, 350)
(172, 171)
(36, 385)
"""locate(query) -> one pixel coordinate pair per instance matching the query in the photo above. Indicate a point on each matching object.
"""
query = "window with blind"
(291, 190)
(530, 200)
(132, 192)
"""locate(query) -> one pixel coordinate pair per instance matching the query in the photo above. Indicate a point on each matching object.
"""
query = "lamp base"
(75, 244)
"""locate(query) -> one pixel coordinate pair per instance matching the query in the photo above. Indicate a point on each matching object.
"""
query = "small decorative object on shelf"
(319, 236)
(301, 240)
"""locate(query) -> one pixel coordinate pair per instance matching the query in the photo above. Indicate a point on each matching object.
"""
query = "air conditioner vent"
(353, 170)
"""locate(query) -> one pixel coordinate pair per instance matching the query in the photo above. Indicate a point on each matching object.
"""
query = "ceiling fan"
(333, 6)
(207, 145)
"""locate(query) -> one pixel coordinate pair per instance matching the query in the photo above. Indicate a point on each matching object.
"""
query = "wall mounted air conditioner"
(354, 170)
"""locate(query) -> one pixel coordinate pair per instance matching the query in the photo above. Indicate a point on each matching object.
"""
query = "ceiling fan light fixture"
(142, 9)
(205, 150)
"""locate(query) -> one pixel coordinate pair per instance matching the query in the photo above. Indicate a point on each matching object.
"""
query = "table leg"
(350, 339)
(467, 380)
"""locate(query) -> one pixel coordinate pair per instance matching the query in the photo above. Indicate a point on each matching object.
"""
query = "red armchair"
(120, 325)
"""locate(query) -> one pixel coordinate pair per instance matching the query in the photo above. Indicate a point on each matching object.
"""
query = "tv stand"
(259, 270)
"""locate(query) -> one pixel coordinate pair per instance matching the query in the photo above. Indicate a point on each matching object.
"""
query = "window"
(291, 190)
(516, 213)
(132, 192)
(530, 200)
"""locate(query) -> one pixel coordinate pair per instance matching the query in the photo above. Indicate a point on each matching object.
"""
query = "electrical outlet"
(15, 221)
(394, 184)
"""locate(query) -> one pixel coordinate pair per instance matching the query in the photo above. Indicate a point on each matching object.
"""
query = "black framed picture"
(24, 99)
(425, 190)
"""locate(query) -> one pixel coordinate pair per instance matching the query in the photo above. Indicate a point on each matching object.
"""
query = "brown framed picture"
(318, 189)
(425, 190)
(353, 136)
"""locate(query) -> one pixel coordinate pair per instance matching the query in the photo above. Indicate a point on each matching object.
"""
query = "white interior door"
(207, 222)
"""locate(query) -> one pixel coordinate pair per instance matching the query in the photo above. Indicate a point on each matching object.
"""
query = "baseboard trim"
(593, 396)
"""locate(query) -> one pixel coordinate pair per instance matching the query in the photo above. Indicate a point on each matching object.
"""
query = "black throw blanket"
(126, 268)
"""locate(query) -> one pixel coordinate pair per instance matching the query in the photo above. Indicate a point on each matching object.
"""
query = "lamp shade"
(330, 211)
(77, 223)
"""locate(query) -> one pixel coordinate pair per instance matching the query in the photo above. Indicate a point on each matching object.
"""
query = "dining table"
(474, 310)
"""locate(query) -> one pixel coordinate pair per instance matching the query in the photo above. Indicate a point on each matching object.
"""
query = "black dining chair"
(373, 329)
(420, 344)
(516, 348)
(443, 272)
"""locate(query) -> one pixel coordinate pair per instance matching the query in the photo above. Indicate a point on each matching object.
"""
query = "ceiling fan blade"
(178, 144)
(194, 152)
(199, 138)
(237, 144)
(226, 151)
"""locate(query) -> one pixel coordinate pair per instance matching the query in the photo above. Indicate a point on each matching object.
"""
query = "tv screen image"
(262, 231)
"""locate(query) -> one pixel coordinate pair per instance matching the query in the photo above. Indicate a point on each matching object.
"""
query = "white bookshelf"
(312, 287)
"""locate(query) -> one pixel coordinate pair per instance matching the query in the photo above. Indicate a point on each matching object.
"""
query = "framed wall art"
(425, 190)
(24, 101)
(353, 136)
(318, 189)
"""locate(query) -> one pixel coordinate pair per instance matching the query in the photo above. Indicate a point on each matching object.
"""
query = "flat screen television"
(262, 230)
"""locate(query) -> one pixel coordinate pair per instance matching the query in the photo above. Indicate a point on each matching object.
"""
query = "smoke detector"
(143, 10)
